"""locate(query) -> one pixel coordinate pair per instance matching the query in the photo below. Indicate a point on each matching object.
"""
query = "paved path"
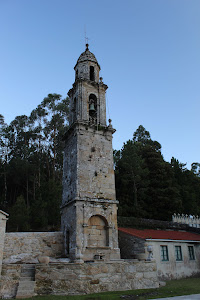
(187, 297)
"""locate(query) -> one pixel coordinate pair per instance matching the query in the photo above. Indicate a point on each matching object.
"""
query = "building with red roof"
(176, 252)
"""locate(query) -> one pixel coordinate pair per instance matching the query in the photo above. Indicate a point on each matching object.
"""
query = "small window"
(178, 253)
(164, 253)
(191, 252)
(92, 73)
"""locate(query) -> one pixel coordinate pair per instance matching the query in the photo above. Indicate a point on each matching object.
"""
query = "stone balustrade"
(193, 221)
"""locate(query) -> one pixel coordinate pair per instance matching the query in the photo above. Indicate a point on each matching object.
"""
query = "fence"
(192, 221)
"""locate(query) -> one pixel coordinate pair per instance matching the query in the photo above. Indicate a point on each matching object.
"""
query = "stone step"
(26, 284)
(25, 289)
(27, 268)
(28, 273)
(26, 296)
(28, 278)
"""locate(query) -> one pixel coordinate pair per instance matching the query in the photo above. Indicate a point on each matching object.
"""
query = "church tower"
(89, 206)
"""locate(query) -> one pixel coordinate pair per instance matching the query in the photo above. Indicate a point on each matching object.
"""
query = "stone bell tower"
(89, 206)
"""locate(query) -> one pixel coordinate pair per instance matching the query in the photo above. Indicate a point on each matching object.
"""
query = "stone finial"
(110, 125)
(101, 79)
(87, 47)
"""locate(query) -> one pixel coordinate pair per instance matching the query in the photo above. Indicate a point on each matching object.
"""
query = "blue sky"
(148, 50)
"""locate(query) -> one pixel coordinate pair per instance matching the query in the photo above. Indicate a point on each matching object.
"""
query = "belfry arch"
(92, 109)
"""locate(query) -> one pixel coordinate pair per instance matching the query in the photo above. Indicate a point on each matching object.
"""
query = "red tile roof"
(161, 234)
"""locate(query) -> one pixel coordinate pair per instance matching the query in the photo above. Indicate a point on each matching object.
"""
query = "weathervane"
(86, 39)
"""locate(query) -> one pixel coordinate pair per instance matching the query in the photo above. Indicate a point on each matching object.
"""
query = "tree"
(130, 172)
(32, 166)
(19, 216)
(144, 181)
(3, 161)
(195, 168)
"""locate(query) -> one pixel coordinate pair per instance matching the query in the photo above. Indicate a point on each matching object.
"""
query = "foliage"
(31, 159)
(31, 165)
(148, 186)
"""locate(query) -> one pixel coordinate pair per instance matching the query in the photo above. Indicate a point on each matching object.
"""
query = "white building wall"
(173, 269)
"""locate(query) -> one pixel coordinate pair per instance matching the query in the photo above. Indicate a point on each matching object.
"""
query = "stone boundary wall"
(75, 279)
(9, 282)
(25, 247)
(130, 246)
(69, 279)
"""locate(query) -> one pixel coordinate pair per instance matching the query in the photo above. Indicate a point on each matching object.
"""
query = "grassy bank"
(172, 288)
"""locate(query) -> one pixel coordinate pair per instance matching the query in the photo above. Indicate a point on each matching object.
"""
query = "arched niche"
(92, 109)
(97, 232)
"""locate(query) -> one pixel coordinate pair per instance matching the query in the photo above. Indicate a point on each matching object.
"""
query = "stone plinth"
(71, 279)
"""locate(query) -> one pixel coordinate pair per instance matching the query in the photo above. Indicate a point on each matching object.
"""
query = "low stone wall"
(9, 282)
(71, 278)
(74, 278)
(26, 246)
(130, 246)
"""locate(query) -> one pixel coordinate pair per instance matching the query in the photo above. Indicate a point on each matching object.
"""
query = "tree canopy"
(147, 186)
(31, 166)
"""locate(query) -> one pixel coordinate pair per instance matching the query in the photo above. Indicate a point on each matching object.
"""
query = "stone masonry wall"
(88, 168)
(9, 282)
(27, 246)
(68, 279)
(95, 164)
(130, 246)
(70, 168)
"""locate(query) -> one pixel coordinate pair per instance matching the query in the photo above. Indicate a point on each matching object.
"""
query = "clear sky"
(148, 50)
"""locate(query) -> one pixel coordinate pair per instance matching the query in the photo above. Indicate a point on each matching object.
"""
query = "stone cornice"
(86, 124)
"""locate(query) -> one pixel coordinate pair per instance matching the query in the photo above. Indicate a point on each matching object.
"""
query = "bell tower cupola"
(87, 97)
(87, 66)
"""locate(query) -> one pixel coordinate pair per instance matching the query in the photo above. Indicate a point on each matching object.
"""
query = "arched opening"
(92, 73)
(93, 109)
(97, 232)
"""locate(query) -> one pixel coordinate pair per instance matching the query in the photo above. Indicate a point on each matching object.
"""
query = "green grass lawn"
(173, 288)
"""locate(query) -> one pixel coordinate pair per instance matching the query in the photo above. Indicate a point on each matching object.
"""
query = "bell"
(91, 108)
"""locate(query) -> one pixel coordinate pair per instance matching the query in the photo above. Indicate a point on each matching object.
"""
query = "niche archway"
(93, 109)
(97, 232)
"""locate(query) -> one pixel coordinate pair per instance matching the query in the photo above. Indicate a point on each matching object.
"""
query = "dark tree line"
(149, 187)
(31, 164)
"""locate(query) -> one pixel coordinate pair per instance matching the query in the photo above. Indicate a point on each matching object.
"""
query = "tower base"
(90, 230)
